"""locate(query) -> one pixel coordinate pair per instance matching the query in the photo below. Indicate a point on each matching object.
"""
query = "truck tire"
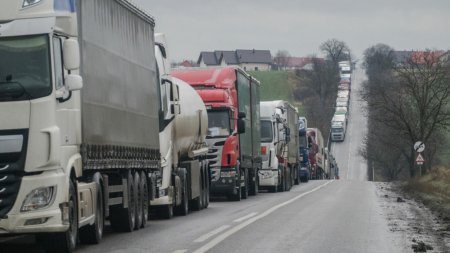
(205, 185)
(124, 219)
(64, 242)
(92, 234)
(282, 186)
(297, 176)
(244, 191)
(183, 208)
(139, 201)
(197, 203)
(144, 189)
(254, 183)
(289, 180)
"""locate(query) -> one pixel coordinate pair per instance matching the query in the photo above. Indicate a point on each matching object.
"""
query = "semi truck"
(83, 111)
(316, 153)
(279, 146)
(338, 127)
(305, 165)
(182, 179)
(232, 99)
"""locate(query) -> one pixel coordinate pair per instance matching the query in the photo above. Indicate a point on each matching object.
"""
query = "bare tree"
(336, 50)
(411, 99)
(318, 93)
(282, 58)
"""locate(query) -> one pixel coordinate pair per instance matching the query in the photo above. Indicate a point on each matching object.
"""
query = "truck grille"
(215, 152)
(12, 163)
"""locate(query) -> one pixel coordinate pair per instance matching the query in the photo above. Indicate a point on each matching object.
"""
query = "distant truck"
(316, 153)
(232, 99)
(338, 127)
(305, 165)
(279, 146)
(89, 131)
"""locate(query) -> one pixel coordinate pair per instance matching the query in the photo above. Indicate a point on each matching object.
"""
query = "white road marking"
(180, 251)
(212, 233)
(211, 244)
(245, 217)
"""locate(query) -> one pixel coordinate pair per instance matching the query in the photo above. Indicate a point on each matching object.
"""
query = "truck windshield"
(219, 123)
(25, 68)
(266, 131)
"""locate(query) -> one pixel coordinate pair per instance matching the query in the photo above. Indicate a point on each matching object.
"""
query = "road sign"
(419, 146)
(419, 159)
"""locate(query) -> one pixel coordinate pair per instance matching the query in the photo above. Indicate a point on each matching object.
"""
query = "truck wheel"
(289, 180)
(183, 208)
(297, 176)
(124, 219)
(254, 185)
(282, 186)
(244, 191)
(64, 242)
(197, 203)
(93, 234)
(139, 201)
(205, 187)
(143, 189)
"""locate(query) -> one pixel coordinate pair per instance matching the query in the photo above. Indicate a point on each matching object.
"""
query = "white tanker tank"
(191, 125)
(183, 179)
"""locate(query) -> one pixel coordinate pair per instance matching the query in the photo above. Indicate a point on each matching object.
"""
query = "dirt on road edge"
(411, 220)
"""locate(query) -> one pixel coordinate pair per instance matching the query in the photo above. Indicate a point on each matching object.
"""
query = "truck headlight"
(27, 3)
(39, 198)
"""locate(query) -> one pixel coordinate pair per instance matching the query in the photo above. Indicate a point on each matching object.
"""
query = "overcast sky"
(298, 26)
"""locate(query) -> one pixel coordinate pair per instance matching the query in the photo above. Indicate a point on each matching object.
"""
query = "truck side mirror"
(162, 49)
(242, 115)
(241, 126)
(71, 51)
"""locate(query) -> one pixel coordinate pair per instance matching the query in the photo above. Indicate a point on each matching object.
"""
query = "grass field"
(278, 85)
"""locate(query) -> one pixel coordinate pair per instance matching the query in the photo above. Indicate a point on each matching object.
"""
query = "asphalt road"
(319, 216)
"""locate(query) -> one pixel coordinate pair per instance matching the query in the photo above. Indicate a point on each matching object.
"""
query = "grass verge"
(433, 189)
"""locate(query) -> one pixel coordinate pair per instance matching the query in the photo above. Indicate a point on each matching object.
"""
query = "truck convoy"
(91, 125)
(279, 146)
(232, 99)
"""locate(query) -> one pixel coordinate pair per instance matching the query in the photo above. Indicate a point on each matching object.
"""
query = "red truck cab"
(233, 136)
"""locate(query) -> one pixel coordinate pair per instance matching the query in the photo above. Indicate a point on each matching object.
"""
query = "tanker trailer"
(182, 179)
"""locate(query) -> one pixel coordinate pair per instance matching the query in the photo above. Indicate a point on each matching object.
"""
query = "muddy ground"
(411, 221)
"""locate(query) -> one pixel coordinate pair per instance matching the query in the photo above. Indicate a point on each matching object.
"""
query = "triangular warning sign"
(419, 158)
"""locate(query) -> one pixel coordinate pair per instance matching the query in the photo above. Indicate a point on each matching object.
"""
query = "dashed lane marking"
(211, 244)
(180, 251)
(212, 233)
(245, 217)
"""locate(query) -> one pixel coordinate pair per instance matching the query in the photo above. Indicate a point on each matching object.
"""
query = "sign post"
(419, 147)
